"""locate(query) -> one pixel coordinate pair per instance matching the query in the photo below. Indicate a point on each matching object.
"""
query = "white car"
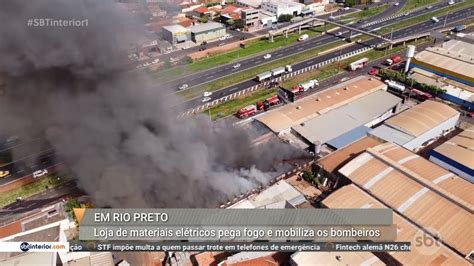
(396, 4)
(227, 36)
(347, 8)
(183, 87)
(236, 66)
(267, 56)
(406, 14)
(429, 7)
(451, 2)
(206, 99)
(332, 17)
(39, 173)
(339, 33)
(4, 173)
(207, 94)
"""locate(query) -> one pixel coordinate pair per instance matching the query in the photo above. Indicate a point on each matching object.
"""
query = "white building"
(282, 7)
(418, 126)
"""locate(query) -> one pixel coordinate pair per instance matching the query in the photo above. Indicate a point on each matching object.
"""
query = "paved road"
(422, 27)
(48, 197)
(224, 70)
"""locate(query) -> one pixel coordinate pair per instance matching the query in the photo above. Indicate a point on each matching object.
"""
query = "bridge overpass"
(313, 22)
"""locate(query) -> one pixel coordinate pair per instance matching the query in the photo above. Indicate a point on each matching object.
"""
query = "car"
(183, 87)
(238, 29)
(206, 99)
(267, 56)
(207, 94)
(373, 71)
(406, 14)
(339, 33)
(429, 7)
(347, 8)
(227, 36)
(4, 174)
(396, 4)
(19, 199)
(435, 19)
(236, 66)
(39, 173)
(243, 38)
(451, 2)
(202, 48)
(343, 79)
(332, 17)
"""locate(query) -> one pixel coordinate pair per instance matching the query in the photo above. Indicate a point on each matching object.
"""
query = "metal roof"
(421, 118)
(353, 197)
(425, 193)
(175, 28)
(285, 117)
(348, 117)
(349, 137)
(460, 148)
(206, 27)
(385, 132)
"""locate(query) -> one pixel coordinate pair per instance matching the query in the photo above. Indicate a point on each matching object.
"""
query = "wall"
(452, 166)
(207, 36)
(432, 134)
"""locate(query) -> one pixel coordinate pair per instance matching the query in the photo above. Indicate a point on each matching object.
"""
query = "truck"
(459, 28)
(303, 37)
(274, 73)
(304, 86)
(264, 76)
(258, 106)
(395, 86)
(247, 111)
(358, 64)
(395, 59)
(420, 95)
(265, 105)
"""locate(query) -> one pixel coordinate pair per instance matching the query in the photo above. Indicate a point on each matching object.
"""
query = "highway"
(418, 28)
(250, 62)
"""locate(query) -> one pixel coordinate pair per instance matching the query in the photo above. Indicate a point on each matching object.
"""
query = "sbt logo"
(24, 246)
(425, 243)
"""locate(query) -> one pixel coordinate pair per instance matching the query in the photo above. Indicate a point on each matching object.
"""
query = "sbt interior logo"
(427, 244)
(24, 246)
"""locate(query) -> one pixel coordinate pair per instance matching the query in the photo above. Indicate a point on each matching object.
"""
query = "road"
(48, 197)
(418, 28)
(250, 62)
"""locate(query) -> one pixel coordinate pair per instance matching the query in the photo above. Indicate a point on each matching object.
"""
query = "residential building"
(250, 17)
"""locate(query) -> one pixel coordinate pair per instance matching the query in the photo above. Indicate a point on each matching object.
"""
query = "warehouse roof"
(460, 148)
(454, 56)
(343, 119)
(309, 107)
(421, 118)
(425, 193)
(334, 160)
(206, 27)
(175, 28)
(349, 137)
(335, 258)
(353, 197)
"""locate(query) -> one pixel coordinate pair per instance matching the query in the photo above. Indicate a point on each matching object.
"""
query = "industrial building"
(346, 124)
(432, 198)
(249, 3)
(457, 154)
(450, 67)
(278, 196)
(282, 7)
(418, 126)
(207, 32)
(175, 34)
(352, 196)
(337, 116)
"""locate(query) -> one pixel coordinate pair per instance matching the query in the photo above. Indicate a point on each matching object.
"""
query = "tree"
(230, 22)
(203, 19)
(285, 17)
(350, 3)
(69, 206)
(239, 24)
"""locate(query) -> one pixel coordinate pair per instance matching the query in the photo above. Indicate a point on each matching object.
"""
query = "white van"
(303, 37)
(435, 19)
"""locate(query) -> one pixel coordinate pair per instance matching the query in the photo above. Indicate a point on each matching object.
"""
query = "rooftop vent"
(318, 100)
(346, 88)
(298, 107)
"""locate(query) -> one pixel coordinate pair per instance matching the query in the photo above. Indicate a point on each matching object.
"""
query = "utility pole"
(445, 19)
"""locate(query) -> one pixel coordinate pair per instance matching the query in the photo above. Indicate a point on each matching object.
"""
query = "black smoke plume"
(115, 130)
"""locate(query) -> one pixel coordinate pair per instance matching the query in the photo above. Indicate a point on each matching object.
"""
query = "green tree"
(239, 24)
(285, 18)
(69, 206)
(350, 3)
(203, 19)
(230, 22)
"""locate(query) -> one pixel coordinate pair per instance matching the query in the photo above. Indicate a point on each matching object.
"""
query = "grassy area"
(370, 12)
(232, 106)
(425, 17)
(252, 47)
(250, 73)
(412, 4)
(31, 189)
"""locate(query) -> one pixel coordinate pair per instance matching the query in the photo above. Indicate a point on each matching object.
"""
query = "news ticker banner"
(121, 246)
(223, 225)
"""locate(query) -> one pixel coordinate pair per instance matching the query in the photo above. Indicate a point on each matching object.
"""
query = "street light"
(445, 20)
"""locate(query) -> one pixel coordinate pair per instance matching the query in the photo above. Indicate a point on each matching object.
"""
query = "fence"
(245, 91)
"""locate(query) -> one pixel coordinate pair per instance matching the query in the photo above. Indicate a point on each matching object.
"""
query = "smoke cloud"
(116, 130)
